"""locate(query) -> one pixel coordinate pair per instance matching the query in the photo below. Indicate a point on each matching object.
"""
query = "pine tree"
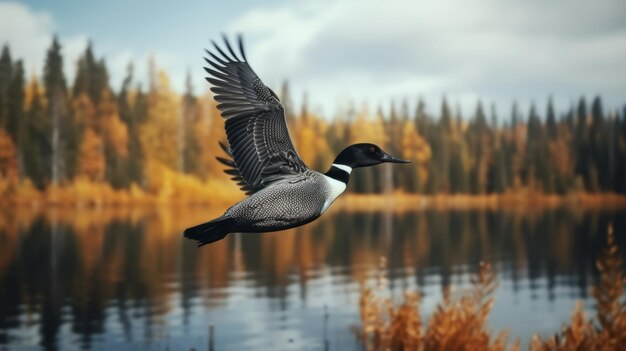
(189, 148)
(443, 148)
(599, 145)
(551, 120)
(92, 83)
(499, 177)
(36, 147)
(497, 174)
(620, 171)
(582, 144)
(56, 95)
(538, 165)
(136, 153)
(123, 98)
(479, 143)
(132, 107)
(422, 122)
(515, 118)
(15, 104)
(459, 156)
(16, 125)
(494, 117)
(534, 135)
(612, 125)
(115, 135)
(91, 77)
(446, 116)
(6, 67)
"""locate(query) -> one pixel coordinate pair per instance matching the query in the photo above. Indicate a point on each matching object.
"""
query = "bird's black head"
(364, 155)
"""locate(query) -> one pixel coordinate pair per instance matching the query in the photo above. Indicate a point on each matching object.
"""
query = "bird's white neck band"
(344, 168)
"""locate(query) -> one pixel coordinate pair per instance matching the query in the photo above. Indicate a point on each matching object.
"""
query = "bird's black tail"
(211, 231)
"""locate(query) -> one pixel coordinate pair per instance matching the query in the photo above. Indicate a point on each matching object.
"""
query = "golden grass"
(401, 201)
(164, 186)
(461, 323)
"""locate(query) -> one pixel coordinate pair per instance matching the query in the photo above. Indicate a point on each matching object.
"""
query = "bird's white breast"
(336, 188)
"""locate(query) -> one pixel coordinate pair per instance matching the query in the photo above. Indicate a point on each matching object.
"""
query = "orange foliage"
(9, 165)
(84, 111)
(416, 149)
(112, 128)
(91, 156)
(365, 129)
(563, 162)
(209, 130)
(169, 186)
(311, 144)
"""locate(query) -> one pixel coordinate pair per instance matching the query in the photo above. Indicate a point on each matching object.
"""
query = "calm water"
(126, 280)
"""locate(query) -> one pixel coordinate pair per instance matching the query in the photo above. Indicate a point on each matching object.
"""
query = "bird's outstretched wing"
(260, 147)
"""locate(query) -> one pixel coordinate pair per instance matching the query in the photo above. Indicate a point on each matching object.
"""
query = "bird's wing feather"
(260, 147)
(234, 172)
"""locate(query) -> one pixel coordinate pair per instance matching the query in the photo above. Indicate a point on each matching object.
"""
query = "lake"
(126, 279)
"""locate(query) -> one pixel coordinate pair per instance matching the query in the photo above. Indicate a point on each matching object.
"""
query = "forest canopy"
(55, 133)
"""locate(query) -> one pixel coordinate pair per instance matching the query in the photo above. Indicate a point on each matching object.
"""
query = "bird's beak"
(388, 158)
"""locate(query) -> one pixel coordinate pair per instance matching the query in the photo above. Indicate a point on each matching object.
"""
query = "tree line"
(53, 132)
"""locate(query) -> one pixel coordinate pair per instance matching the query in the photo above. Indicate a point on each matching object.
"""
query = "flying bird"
(283, 192)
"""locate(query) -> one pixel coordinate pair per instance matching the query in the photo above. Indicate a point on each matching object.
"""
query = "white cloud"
(380, 50)
(25, 31)
(498, 50)
(29, 34)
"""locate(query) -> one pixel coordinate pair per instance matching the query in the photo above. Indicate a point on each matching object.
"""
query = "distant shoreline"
(508, 201)
(398, 200)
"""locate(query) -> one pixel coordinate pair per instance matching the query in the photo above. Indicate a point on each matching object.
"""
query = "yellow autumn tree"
(309, 135)
(368, 129)
(416, 149)
(365, 129)
(34, 89)
(209, 130)
(113, 130)
(84, 111)
(158, 135)
(91, 156)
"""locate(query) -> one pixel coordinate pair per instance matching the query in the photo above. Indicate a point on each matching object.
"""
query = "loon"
(283, 192)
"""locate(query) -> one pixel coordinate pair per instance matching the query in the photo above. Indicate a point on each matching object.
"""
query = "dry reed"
(608, 331)
(461, 323)
(457, 323)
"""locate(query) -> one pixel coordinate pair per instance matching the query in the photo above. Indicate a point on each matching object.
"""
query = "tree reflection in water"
(126, 278)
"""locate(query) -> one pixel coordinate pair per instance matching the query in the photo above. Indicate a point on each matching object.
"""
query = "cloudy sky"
(379, 50)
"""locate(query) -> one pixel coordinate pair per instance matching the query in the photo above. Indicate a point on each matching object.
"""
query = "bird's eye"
(372, 149)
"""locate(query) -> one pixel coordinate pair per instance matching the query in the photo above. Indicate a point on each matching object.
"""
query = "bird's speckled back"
(290, 203)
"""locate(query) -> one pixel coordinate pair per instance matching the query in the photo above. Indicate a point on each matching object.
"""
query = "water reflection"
(125, 278)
